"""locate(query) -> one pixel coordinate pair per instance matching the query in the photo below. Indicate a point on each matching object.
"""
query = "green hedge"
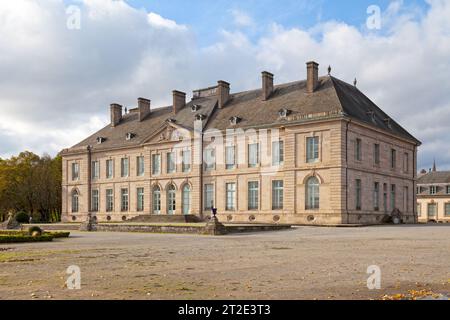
(56, 234)
(23, 238)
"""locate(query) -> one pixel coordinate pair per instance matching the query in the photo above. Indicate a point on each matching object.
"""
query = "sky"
(62, 62)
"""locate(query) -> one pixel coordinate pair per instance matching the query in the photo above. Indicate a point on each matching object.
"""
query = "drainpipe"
(346, 171)
(89, 188)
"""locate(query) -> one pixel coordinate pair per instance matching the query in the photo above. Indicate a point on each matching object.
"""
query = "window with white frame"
(277, 153)
(209, 196)
(230, 157)
(75, 171)
(95, 170)
(433, 190)
(447, 209)
(140, 199)
(277, 194)
(312, 149)
(171, 166)
(75, 201)
(230, 196)
(432, 210)
(109, 200)
(210, 159)
(393, 197)
(186, 160)
(419, 210)
(156, 164)
(94, 200)
(312, 194)
(140, 166)
(156, 197)
(124, 167)
(253, 155)
(124, 199)
(253, 195)
(109, 168)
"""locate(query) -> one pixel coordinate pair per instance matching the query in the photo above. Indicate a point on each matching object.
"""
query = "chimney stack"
(223, 91)
(179, 101)
(312, 79)
(116, 114)
(143, 108)
(267, 85)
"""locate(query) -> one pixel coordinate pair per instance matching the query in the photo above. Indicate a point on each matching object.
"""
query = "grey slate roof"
(435, 177)
(332, 97)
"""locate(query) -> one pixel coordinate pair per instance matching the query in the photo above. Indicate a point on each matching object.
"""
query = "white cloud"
(241, 19)
(56, 84)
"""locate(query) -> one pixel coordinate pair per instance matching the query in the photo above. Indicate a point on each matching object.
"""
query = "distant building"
(316, 151)
(433, 196)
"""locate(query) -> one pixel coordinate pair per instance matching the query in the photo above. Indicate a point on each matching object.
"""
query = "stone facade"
(433, 197)
(339, 198)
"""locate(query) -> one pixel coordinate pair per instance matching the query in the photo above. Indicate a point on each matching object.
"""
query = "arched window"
(156, 195)
(312, 194)
(171, 202)
(75, 201)
(186, 199)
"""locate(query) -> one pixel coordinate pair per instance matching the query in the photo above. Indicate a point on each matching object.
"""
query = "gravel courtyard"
(303, 263)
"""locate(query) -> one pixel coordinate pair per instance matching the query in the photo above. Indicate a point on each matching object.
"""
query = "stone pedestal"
(89, 225)
(215, 228)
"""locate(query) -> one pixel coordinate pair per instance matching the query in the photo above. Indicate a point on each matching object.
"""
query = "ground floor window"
(312, 194)
(447, 209)
(209, 196)
(140, 199)
(230, 196)
(171, 199)
(156, 200)
(75, 202)
(124, 199)
(186, 199)
(253, 195)
(109, 200)
(94, 201)
(277, 195)
(432, 210)
(358, 195)
(419, 210)
(393, 197)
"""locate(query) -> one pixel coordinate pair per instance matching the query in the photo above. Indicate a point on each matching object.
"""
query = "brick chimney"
(223, 92)
(116, 114)
(267, 85)
(312, 79)
(179, 101)
(143, 108)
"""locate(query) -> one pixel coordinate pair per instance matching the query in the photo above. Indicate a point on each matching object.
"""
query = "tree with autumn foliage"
(31, 184)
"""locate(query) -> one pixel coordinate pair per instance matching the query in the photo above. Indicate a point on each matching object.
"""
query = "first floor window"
(376, 196)
(432, 210)
(406, 162)
(447, 209)
(186, 163)
(312, 149)
(253, 195)
(277, 153)
(140, 164)
(358, 150)
(171, 202)
(124, 167)
(124, 199)
(95, 168)
(171, 168)
(277, 195)
(109, 200)
(156, 164)
(376, 152)
(209, 196)
(75, 202)
(109, 168)
(312, 194)
(156, 200)
(358, 194)
(186, 199)
(75, 171)
(230, 157)
(393, 158)
(231, 196)
(210, 159)
(253, 155)
(140, 199)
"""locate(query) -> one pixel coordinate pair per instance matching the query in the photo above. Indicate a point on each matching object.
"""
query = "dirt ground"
(303, 263)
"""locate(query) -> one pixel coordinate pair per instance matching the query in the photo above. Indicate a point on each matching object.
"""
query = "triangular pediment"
(167, 133)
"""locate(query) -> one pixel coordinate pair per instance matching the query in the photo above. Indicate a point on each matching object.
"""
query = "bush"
(22, 217)
(35, 231)
(57, 235)
(22, 238)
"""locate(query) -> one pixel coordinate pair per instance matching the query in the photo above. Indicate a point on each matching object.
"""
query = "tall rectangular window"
(448, 189)
(406, 199)
(253, 195)
(209, 196)
(376, 196)
(447, 209)
(186, 161)
(358, 194)
(95, 170)
(376, 153)
(393, 158)
(253, 155)
(419, 210)
(433, 190)
(432, 210)
(109, 168)
(231, 196)
(124, 167)
(277, 195)
(156, 164)
(109, 200)
(358, 150)
(140, 199)
(171, 167)
(312, 149)
(393, 197)
(75, 171)
(124, 197)
(94, 200)
(210, 159)
(277, 153)
(406, 162)
(230, 157)
(140, 166)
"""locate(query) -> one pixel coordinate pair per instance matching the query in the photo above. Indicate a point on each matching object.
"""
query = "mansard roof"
(333, 98)
(438, 177)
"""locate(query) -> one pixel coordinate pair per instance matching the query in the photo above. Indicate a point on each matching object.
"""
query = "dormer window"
(371, 114)
(200, 117)
(234, 120)
(100, 140)
(388, 122)
(283, 113)
(195, 108)
(130, 136)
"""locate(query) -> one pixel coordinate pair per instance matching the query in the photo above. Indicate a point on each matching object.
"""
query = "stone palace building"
(316, 151)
